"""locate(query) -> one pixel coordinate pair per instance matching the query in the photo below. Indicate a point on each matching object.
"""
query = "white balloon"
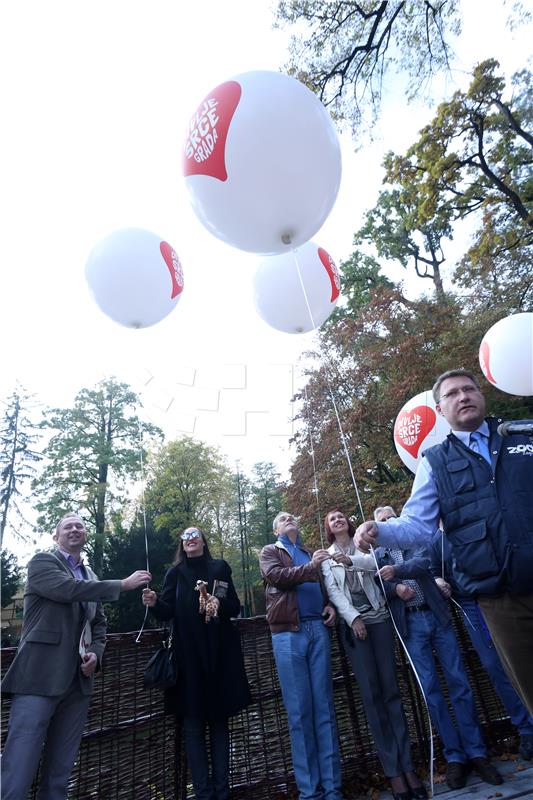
(135, 277)
(280, 298)
(262, 162)
(418, 426)
(506, 354)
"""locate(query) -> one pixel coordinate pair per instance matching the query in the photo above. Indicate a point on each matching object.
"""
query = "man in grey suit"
(51, 677)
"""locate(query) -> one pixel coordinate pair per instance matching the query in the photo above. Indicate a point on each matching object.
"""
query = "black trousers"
(209, 783)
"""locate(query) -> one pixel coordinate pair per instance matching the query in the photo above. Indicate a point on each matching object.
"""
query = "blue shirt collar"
(464, 436)
(70, 559)
(287, 542)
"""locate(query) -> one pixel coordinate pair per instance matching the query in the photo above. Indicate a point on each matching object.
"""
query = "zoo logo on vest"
(521, 449)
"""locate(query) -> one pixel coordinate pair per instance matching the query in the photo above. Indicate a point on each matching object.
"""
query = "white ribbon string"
(138, 639)
(339, 424)
(354, 482)
(415, 673)
(315, 485)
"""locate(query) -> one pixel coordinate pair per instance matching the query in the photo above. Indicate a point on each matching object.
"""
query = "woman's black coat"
(212, 681)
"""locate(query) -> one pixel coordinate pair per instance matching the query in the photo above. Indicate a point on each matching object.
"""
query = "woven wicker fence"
(131, 750)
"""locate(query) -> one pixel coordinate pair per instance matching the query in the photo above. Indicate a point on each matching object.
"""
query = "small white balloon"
(418, 426)
(262, 162)
(280, 298)
(135, 277)
(506, 354)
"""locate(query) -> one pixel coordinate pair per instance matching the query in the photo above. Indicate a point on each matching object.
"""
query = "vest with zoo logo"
(488, 513)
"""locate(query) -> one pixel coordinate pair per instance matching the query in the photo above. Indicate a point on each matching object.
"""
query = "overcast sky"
(95, 100)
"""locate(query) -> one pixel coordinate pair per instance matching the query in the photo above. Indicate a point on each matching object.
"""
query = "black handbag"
(160, 671)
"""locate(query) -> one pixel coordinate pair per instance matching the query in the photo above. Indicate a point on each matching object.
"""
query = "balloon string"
(461, 609)
(349, 461)
(315, 489)
(138, 639)
(417, 677)
(339, 424)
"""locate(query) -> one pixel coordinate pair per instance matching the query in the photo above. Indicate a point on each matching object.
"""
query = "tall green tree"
(189, 483)
(92, 456)
(126, 552)
(344, 50)
(371, 363)
(19, 439)
(474, 159)
(266, 500)
(11, 575)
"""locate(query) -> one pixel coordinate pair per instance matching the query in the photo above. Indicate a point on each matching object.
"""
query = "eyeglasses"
(468, 390)
(187, 535)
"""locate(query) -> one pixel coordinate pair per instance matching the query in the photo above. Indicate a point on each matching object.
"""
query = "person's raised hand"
(387, 572)
(318, 557)
(342, 558)
(366, 536)
(135, 580)
(405, 592)
(149, 598)
(444, 586)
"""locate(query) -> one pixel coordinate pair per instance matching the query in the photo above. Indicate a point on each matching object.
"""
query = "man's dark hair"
(452, 373)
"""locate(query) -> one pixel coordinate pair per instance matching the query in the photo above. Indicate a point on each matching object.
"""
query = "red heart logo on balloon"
(174, 267)
(332, 271)
(412, 427)
(205, 147)
(484, 361)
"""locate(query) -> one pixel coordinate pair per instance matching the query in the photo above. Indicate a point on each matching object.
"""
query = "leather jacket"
(281, 578)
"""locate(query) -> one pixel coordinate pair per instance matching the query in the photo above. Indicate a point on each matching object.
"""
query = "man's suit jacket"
(416, 565)
(48, 654)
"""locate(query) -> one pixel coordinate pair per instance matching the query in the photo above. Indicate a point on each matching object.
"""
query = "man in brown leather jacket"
(299, 614)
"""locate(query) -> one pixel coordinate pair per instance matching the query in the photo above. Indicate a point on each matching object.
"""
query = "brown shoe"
(486, 771)
(456, 774)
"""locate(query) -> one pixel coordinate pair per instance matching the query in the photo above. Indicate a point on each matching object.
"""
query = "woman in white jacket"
(369, 646)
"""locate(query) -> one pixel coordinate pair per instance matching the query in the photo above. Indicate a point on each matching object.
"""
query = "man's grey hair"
(276, 518)
(452, 373)
(379, 509)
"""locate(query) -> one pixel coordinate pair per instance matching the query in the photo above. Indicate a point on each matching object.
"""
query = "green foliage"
(189, 483)
(475, 157)
(344, 50)
(11, 575)
(95, 451)
(472, 160)
(125, 553)
(18, 455)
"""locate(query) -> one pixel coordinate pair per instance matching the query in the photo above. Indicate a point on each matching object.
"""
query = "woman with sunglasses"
(211, 684)
(368, 641)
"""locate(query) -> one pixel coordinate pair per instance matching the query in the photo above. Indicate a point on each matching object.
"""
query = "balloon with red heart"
(297, 291)
(418, 426)
(262, 162)
(506, 354)
(135, 277)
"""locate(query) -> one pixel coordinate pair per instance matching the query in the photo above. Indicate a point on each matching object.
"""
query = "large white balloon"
(135, 277)
(418, 426)
(280, 298)
(506, 354)
(262, 162)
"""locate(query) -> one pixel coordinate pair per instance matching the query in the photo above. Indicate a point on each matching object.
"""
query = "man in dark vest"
(481, 487)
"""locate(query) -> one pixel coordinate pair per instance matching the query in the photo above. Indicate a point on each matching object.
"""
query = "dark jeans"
(208, 784)
(510, 621)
